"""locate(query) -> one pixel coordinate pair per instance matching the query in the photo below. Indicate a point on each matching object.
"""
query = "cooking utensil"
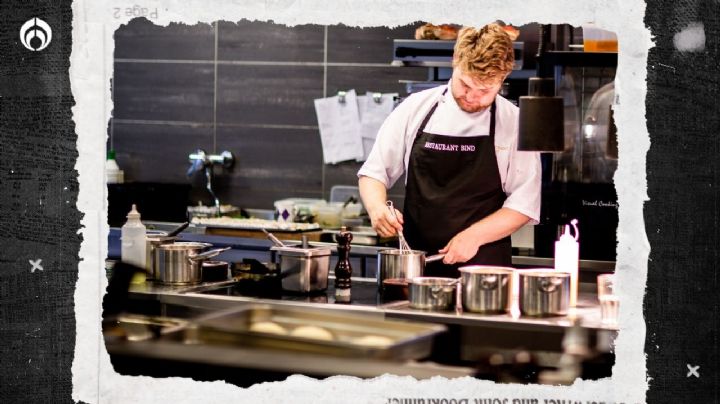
(486, 289)
(274, 239)
(215, 271)
(151, 243)
(396, 264)
(177, 230)
(404, 247)
(181, 263)
(544, 292)
(429, 293)
(304, 270)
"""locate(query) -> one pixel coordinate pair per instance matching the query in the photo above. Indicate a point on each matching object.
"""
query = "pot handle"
(489, 282)
(207, 254)
(436, 257)
(549, 285)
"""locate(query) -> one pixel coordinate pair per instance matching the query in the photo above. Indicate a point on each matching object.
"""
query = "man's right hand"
(384, 222)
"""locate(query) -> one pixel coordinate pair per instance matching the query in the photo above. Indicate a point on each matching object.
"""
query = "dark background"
(40, 220)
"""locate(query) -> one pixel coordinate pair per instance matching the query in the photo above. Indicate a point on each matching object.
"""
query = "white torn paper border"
(94, 379)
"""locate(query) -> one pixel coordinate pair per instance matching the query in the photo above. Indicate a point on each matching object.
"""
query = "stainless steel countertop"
(588, 309)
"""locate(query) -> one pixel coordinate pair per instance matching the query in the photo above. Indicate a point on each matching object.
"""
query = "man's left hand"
(461, 248)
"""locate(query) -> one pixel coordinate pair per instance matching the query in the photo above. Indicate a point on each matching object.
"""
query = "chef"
(467, 186)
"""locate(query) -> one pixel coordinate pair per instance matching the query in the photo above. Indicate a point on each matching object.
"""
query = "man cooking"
(467, 186)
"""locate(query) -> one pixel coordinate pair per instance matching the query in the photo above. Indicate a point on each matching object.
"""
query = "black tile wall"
(141, 39)
(270, 42)
(270, 164)
(158, 153)
(164, 91)
(276, 95)
(365, 45)
(253, 95)
(374, 79)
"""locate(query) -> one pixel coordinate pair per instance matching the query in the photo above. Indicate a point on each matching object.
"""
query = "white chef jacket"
(520, 171)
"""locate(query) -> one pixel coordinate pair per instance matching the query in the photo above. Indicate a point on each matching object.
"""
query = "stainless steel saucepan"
(399, 264)
(181, 263)
(486, 289)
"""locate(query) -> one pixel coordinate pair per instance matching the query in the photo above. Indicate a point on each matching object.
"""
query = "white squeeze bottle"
(132, 239)
(567, 254)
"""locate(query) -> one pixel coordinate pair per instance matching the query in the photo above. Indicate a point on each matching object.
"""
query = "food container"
(544, 292)
(329, 216)
(599, 40)
(315, 331)
(215, 271)
(428, 293)
(304, 270)
(486, 289)
(181, 263)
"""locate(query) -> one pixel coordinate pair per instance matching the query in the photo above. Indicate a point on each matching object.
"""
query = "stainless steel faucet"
(201, 160)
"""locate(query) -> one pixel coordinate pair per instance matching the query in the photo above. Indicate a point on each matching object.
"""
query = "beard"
(470, 108)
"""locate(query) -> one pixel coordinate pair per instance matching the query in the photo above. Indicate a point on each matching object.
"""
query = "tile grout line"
(325, 63)
(207, 124)
(325, 66)
(215, 87)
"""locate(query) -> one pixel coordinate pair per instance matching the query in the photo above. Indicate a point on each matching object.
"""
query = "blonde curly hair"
(485, 53)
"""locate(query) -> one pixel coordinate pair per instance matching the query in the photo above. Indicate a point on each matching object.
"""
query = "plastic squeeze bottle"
(132, 238)
(567, 254)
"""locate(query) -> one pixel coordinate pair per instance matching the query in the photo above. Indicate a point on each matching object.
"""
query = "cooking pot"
(181, 263)
(397, 264)
(544, 292)
(429, 293)
(304, 270)
(151, 242)
(486, 289)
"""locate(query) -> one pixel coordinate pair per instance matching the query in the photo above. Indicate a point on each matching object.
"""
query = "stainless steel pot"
(486, 289)
(397, 264)
(544, 292)
(181, 263)
(429, 293)
(151, 242)
(304, 270)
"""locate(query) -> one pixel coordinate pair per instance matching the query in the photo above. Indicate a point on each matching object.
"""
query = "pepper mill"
(343, 270)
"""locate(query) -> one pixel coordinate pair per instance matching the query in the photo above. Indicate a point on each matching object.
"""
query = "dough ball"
(268, 327)
(312, 332)
(373, 341)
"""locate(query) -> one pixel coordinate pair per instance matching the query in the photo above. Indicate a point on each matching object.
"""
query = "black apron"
(452, 183)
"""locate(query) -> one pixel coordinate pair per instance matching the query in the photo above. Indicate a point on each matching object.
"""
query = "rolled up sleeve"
(385, 162)
(523, 184)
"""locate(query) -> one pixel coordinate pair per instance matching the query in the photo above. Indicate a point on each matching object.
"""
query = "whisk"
(404, 247)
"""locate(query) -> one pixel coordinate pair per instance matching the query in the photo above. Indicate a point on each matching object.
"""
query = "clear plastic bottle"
(567, 254)
(132, 240)
(113, 173)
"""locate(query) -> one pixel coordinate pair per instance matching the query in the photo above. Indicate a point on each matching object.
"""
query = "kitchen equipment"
(486, 289)
(404, 247)
(396, 264)
(430, 293)
(609, 301)
(181, 263)
(544, 292)
(178, 229)
(303, 270)
(152, 241)
(276, 241)
(329, 216)
(322, 332)
(215, 271)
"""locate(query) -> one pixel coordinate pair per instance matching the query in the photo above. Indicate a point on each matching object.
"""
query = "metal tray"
(404, 340)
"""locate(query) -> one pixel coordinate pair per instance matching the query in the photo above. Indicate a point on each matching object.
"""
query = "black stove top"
(363, 292)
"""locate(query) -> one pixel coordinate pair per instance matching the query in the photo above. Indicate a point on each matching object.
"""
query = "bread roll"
(312, 332)
(268, 327)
